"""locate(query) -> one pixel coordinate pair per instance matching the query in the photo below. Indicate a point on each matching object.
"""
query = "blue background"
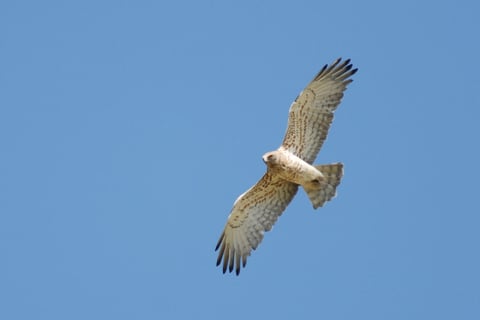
(128, 128)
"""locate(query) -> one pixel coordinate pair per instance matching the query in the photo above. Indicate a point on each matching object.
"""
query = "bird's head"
(270, 158)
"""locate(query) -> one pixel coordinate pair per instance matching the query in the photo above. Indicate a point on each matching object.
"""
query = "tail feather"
(323, 191)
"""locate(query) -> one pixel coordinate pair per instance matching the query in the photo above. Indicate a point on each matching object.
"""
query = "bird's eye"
(270, 156)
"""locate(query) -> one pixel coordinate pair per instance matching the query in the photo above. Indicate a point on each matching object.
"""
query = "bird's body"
(289, 167)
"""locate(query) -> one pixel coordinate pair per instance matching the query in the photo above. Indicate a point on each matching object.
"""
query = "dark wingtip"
(319, 73)
(337, 68)
(221, 253)
(220, 241)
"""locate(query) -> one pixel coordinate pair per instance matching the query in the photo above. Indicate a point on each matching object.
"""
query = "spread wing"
(253, 213)
(311, 113)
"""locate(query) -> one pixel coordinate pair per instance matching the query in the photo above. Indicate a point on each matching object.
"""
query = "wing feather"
(253, 213)
(311, 114)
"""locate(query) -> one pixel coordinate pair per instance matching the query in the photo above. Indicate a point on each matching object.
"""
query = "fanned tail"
(325, 190)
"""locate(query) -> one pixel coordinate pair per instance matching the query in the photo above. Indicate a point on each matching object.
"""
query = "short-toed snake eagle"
(288, 167)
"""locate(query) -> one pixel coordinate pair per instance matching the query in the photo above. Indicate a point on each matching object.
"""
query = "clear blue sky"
(128, 128)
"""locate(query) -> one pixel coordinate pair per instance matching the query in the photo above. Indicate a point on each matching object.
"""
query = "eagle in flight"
(289, 167)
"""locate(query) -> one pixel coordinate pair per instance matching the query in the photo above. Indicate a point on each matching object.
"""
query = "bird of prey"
(289, 167)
